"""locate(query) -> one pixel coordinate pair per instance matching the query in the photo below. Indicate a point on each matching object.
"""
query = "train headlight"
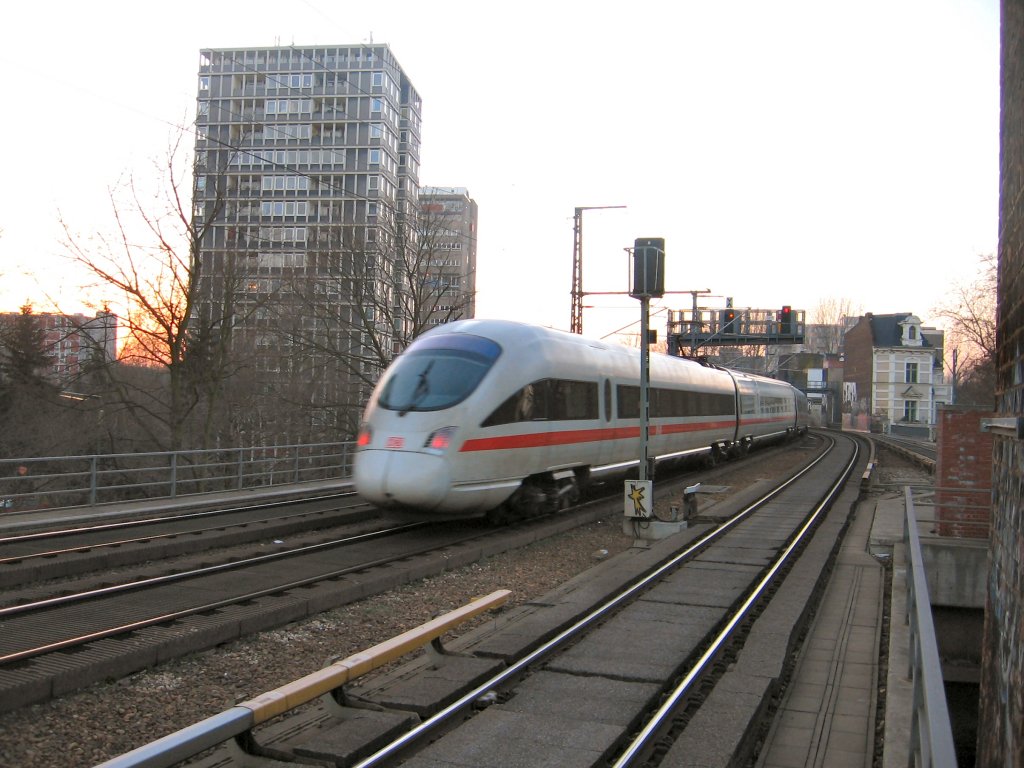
(365, 436)
(440, 440)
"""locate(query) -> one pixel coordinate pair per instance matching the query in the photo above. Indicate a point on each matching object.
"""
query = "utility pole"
(576, 315)
(648, 281)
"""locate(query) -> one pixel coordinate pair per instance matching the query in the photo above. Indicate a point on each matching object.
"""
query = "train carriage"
(488, 416)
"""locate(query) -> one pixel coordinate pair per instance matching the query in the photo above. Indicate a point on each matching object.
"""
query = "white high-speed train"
(505, 418)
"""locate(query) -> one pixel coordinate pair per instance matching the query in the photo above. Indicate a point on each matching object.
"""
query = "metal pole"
(576, 314)
(576, 318)
(645, 362)
(695, 326)
(92, 480)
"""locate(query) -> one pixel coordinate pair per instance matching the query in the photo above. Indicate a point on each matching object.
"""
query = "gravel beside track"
(108, 719)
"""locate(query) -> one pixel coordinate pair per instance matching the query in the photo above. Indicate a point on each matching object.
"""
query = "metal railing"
(70, 481)
(931, 736)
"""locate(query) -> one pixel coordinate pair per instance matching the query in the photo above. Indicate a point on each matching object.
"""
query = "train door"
(606, 447)
(748, 408)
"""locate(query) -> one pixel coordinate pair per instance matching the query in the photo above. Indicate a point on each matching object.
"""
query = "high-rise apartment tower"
(306, 182)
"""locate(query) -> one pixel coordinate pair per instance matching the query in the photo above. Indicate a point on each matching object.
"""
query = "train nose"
(401, 478)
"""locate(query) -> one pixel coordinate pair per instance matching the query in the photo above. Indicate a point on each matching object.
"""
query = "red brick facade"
(963, 473)
(857, 371)
(1001, 713)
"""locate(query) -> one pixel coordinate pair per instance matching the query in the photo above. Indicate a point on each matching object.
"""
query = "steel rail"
(170, 578)
(36, 535)
(671, 702)
(49, 553)
(256, 594)
(435, 721)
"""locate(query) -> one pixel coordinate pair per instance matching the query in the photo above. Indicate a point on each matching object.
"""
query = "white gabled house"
(893, 375)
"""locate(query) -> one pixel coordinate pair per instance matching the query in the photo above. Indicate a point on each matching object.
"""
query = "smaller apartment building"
(893, 378)
(449, 224)
(72, 340)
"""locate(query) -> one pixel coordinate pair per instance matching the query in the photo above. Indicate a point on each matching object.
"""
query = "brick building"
(963, 473)
(1001, 713)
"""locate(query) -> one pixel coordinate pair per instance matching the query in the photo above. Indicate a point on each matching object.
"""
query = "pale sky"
(786, 151)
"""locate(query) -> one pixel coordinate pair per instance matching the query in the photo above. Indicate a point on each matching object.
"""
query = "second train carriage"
(484, 415)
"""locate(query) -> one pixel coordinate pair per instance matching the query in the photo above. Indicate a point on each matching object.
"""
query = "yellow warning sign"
(639, 500)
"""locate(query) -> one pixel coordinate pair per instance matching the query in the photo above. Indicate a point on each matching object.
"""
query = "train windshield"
(438, 372)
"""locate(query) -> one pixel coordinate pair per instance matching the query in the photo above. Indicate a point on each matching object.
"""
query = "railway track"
(617, 677)
(57, 638)
(920, 452)
(175, 592)
(36, 556)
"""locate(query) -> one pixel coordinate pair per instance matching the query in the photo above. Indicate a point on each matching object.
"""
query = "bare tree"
(970, 312)
(370, 290)
(829, 315)
(158, 285)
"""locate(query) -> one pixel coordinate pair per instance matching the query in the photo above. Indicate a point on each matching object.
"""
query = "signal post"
(638, 503)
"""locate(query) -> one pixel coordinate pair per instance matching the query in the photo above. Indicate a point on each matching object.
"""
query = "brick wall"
(963, 473)
(1001, 712)
(857, 369)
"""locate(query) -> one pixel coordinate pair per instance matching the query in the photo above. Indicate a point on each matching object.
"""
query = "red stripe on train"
(541, 439)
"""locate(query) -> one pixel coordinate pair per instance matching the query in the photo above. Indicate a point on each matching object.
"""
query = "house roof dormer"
(897, 330)
(910, 331)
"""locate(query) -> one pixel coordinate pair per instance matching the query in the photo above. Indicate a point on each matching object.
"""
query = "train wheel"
(500, 516)
(713, 457)
(569, 494)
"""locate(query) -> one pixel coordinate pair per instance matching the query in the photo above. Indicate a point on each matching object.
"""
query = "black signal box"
(648, 267)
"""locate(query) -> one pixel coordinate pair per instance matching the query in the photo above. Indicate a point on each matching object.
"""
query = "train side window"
(629, 401)
(678, 403)
(573, 400)
(520, 406)
(607, 400)
(548, 399)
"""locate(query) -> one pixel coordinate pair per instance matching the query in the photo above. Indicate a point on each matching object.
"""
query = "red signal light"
(786, 319)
